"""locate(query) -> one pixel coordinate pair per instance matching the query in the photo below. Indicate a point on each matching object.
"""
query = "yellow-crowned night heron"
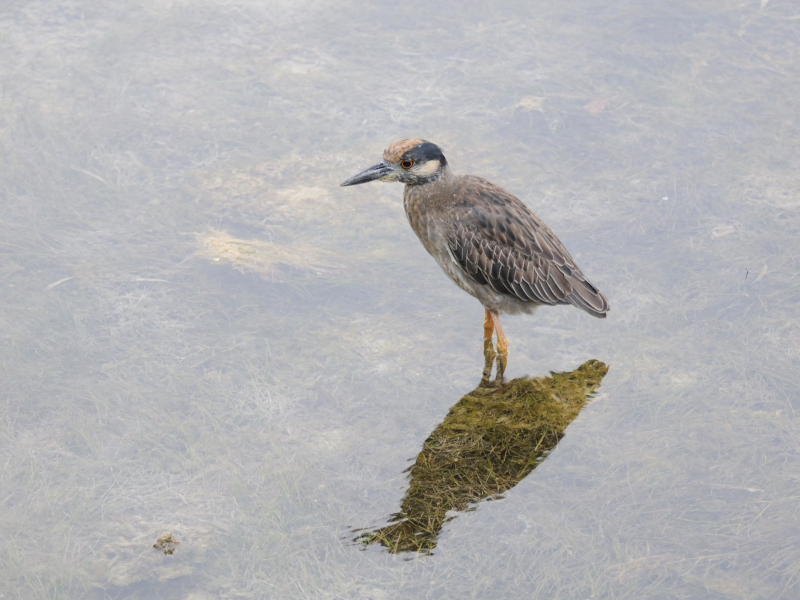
(486, 240)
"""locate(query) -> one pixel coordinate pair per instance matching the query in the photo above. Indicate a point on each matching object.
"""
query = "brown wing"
(499, 242)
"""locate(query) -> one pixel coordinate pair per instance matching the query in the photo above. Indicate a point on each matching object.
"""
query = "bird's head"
(413, 162)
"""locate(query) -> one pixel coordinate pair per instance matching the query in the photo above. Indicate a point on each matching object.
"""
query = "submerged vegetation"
(261, 257)
(258, 417)
(489, 441)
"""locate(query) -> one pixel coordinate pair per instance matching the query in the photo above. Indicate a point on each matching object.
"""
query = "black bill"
(374, 172)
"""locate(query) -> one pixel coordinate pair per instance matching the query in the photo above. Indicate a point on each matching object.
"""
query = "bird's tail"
(587, 297)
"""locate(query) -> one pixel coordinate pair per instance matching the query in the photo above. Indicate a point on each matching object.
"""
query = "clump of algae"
(490, 440)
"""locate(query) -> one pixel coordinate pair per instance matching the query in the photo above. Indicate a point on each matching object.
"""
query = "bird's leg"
(488, 348)
(488, 325)
(502, 349)
(502, 341)
(489, 356)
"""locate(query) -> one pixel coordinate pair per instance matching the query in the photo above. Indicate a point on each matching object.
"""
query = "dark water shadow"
(489, 441)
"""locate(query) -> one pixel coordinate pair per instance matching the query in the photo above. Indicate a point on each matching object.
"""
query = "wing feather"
(500, 242)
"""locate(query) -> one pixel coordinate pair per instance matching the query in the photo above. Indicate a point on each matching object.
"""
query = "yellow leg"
(491, 323)
(488, 325)
(502, 349)
(488, 348)
(502, 341)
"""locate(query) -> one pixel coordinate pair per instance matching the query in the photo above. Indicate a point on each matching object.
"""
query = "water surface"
(261, 406)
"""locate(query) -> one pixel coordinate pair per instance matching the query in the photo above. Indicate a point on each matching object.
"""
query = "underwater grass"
(151, 393)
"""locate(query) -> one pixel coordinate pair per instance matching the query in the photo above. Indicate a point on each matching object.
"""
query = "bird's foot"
(502, 363)
(490, 358)
(489, 355)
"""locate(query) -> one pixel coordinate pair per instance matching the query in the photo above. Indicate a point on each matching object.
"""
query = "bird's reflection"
(491, 439)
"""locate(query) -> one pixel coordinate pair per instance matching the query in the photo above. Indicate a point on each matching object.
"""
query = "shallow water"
(262, 406)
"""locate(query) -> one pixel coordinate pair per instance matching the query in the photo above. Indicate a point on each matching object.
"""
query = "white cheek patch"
(427, 169)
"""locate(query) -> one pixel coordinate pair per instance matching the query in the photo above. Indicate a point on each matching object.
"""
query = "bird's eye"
(407, 164)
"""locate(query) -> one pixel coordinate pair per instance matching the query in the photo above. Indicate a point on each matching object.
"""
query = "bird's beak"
(379, 171)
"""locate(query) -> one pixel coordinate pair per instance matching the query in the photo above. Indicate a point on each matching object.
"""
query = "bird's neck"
(427, 199)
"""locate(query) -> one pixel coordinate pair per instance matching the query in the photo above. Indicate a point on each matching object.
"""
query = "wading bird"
(485, 239)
